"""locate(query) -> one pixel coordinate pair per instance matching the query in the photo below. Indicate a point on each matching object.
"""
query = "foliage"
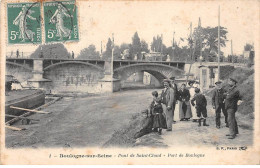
(248, 47)
(144, 46)
(56, 51)
(129, 50)
(89, 53)
(206, 39)
(136, 46)
(108, 53)
(157, 45)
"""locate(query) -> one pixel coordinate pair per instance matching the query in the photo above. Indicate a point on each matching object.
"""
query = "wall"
(149, 79)
(73, 78)
(20, 73)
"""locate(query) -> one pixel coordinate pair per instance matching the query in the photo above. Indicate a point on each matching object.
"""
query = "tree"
(136, 46)
(117, 53)
(206, 39)
(56, 51)
(248, 47)
(157, 44)
(108, 53)
(144, 46)
(210, 38)
(89, 53)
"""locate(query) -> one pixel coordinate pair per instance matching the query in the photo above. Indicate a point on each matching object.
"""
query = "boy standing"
(201, 104)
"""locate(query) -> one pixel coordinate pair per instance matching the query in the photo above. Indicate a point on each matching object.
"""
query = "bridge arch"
(73, 62)
(159, 71)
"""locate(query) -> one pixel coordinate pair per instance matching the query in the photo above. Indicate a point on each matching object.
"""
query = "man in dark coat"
(167, 97)
(218, 104)
(184, 103)
(232, 97)
(175, 88)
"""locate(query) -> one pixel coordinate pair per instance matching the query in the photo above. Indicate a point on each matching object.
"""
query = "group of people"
(193, 104)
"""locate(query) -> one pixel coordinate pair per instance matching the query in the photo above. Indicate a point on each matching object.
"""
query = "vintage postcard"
(130, 82)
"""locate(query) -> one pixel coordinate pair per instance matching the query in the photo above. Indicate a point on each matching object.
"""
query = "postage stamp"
(60, 19)
(24, 23)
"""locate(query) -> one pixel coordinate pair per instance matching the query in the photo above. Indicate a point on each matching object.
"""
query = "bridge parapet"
(121, 63)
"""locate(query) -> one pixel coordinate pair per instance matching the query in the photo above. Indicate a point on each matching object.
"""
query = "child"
(201, 104)
(156, 111)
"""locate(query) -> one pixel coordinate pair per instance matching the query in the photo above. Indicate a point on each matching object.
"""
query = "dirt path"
(188, 133)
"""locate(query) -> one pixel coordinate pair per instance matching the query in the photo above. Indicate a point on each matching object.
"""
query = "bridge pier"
(38, 81)
(109, 84)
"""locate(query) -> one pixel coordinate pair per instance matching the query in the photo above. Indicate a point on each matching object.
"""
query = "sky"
(99, 19)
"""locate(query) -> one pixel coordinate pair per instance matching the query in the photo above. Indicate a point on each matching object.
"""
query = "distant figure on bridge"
(184, 103)
(201, 106)
(17, 53)
(135, 58)
(168, 58)
(72, 55)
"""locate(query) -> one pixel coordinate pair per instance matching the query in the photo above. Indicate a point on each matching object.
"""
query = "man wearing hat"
(218, 104)
(167, 97)
(175, 88)
(232, 97)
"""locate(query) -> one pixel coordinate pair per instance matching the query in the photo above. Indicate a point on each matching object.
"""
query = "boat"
(27, 98)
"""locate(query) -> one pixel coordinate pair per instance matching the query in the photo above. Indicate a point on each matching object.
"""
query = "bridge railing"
(18, 55)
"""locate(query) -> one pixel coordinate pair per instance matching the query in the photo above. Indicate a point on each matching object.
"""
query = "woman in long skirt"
(184, 103)
(192, 85)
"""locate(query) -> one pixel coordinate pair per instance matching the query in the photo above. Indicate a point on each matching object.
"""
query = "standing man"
(218, 104)
(175, 89)
(167, 98)
(184, 103)
(232, 97)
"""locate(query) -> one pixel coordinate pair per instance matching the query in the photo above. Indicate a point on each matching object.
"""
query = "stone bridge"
(83, 75)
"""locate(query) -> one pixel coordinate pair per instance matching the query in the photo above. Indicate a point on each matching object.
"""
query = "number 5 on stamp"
(24, 23)
(61, 22)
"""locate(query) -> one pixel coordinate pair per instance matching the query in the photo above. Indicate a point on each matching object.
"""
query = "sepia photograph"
(174, 78)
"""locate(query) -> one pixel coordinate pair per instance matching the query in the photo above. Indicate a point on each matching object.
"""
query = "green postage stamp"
(24, 23)
(60, 19)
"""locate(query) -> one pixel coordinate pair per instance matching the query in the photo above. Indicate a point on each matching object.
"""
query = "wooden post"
(13, 116)
(24, 109)
(190, 54)
(14, 128)
(218, 43)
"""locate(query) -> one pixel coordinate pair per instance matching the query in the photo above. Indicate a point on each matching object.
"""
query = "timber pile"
(25, 119)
